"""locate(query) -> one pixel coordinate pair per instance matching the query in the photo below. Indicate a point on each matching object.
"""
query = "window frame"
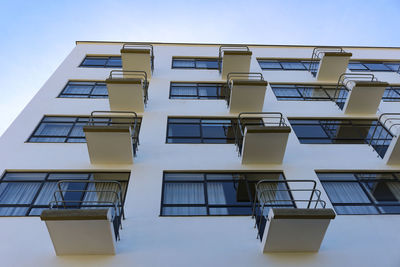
(204, 181)
(46, 180)
(100, 56)
(360, 181)
(84, 96)
(195, 59)
(219, 86)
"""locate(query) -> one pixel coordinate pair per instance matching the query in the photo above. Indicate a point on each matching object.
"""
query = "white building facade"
(188, 194)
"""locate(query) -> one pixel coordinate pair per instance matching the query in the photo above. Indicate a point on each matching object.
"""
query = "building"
(308, 132)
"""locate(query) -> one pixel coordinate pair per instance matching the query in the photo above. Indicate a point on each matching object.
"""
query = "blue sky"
(37, 35)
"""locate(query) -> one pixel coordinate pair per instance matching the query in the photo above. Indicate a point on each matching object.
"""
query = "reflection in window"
(363, 193)
(186, 194)
(28, 194)
(84, 90)
(198, 130)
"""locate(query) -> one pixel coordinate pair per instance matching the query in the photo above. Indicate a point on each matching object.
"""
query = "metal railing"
(261, 119)
(317, 54)
(133, 46)
(118, 118)
(342, 87)
(224, 48)
(133, 74)
(98, 197)
(276, 193)
(386, 128)
(257, 76)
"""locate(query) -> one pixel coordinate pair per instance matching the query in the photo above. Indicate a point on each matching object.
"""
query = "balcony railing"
(385, 130)
(317, 54)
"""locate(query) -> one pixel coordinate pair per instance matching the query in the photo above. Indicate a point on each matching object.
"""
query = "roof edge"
(213, 44)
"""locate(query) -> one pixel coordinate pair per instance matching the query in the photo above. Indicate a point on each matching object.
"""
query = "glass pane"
(206, 64)
(286, 92)
(53, 129)
(184, 140)
(356, 66)
(18, 193)
(293, 66)
(18, 176)
(393, 66)
(309, 131)
(184, 91)
(376, 66)
(336, 176)
(47, 193)
(213, 131)
(184, 120)
(68, 176)
(47, 140)
(345, 192)
(270, 65)
(219, 176)
(76, 140)
(183, 63)
(192, 211)
(225, 193)
(184, 193)
(389, 209)
(13, 211)
(77, 130)
(231, 211)
(94, 61)
(208, 91)
(78, 89)
(114, 62)
(356, 210)
(100, 90)
(183, 130)
(59, 119)
(183, 176)
(383, 191)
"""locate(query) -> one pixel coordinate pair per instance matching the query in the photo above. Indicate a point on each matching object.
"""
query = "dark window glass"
(285, 64)
(357, 66)
(270, 65)
(212, 131)
(293, 66)
(374, 66)
(391, 94)
(362, 193)
(307, 92)
(195, 63)
(344, 131)
(188, 194)
(85, 90)
(61, 130)
(28, 194)
(102, 62)
(196, 91)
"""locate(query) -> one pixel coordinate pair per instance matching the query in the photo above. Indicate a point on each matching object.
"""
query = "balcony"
(290, 215)
(112, 137)
(127, 90)
(385, 138)
(138, 57)
(245, 91)
(359, 93)
(233, 58)
(85, 217)
(328, 63)
(261, 137)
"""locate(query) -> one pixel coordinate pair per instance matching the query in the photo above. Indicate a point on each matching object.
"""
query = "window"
(28, 193)
(374, 66)
(392, 94)
(201, 130)
(307, 92)
(102, 62)
(285, 64)
(363, 193)
(54, 129)
(335, 131)
(85, 90)
(192, 194)
(195, 63)
(197, 91)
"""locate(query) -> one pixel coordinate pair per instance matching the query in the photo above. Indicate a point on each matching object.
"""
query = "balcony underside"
(365, 97)
(296, 230)
(265, 145)
(235, 61)
(86, 231)
(332, 65)
(247, 95)
(125, 94)
(109, 144)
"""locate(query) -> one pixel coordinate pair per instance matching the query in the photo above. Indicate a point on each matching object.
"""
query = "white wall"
(150, 240)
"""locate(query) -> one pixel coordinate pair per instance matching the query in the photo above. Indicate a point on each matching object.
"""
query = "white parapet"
(86, 231)
(332, 65)
(364, 97)
(295, 230)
